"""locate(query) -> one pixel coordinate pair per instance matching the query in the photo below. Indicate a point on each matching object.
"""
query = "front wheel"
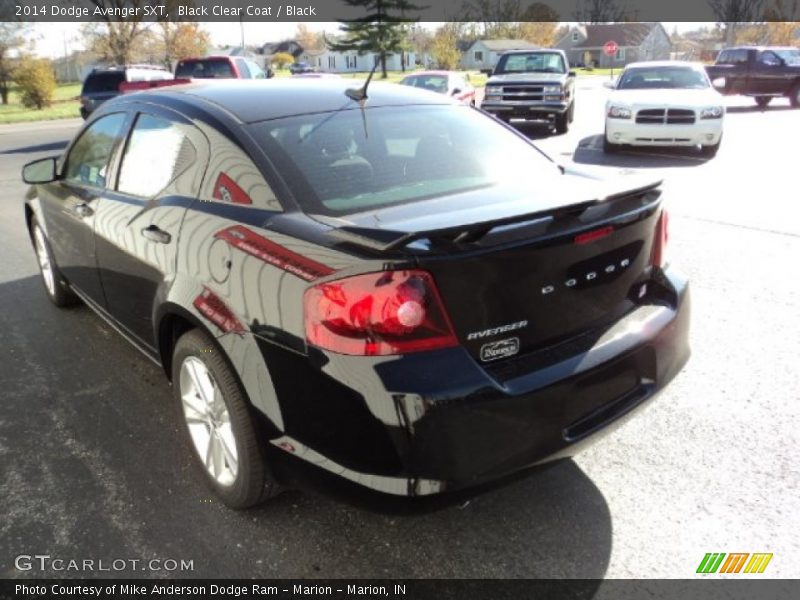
(562, 122)
(57, 289)
(794, 96)
(219, 423)
(763, 101)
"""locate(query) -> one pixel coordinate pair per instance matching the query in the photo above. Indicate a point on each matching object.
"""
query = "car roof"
(253, 100)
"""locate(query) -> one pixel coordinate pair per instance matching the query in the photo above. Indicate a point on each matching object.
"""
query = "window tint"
(541, 62)
(145, 172)
(104, 81)
(770, 59)
(87, 163)
(346, 162)
(434, 83)
(643, 78)
(204, 69)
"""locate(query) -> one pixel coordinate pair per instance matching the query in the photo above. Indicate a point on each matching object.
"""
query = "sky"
(54, 40)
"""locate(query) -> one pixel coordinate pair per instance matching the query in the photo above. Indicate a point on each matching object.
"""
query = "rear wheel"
(219, 423)
(54, 284)
(562, 122)
(794, 96)
(763, 101)
(571, 111)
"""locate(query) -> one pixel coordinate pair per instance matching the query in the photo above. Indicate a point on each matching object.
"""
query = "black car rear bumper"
(429, 422)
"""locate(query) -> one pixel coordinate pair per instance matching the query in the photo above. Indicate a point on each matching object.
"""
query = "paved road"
(90, 464)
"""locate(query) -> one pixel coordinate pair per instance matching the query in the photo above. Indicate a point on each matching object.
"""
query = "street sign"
(610, 48)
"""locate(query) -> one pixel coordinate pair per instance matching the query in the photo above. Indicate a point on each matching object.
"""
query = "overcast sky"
(53, 39)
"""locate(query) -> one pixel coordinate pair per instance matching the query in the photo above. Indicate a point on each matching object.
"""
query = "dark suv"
(103, 83)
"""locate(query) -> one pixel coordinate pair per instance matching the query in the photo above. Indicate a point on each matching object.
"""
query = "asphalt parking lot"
(91, 465)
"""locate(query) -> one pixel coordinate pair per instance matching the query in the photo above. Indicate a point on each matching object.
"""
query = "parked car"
(103, 83)
(345, 283)
(220, 67)
(763, 73)
(448, 83)
(532, 86)
(669, 103)
(300, 67)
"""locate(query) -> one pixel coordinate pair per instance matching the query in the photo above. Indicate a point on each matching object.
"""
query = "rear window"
(107, 81)
(434, 83)
(205, 69)
(347, 162)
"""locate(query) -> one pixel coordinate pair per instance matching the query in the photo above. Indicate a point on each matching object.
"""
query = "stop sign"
(610, 48)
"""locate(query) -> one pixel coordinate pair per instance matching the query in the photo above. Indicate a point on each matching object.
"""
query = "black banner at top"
(415, 10)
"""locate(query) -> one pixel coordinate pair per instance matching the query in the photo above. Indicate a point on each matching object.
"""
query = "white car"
(664, 104)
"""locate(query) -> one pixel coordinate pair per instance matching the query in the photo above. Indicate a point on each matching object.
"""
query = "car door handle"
(82, 210)
(154, 234)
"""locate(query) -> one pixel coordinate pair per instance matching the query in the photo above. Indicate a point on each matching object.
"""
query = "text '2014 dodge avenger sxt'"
(396, 289)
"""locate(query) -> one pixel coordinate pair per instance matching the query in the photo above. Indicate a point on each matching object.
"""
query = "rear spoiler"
(126, 87)
(501, 231)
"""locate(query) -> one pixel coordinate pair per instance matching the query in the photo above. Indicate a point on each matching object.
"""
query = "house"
(483, 54)
(334, 61)
(635, 41)
(292, 47)
(248, 53)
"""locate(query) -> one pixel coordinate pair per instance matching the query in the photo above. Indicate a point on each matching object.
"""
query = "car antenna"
(360, 94)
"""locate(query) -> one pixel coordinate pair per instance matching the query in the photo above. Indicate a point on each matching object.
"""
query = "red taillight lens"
(393, 312)
(661, 239)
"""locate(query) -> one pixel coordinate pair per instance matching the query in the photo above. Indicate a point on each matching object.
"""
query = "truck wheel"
(794, 96)
(763, 101)
(219, 423)
(571, 111)
(562, 122)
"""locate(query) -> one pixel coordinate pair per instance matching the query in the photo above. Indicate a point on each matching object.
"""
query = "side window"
(87, 163)
(256, 71)
(724, 58)
(770, 59)
(232, 177)
(146, 172)
(739, 57)
(241, 64)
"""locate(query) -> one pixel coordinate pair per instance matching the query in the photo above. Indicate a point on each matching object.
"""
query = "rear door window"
(145, 173)
(88, 159)
(103, 82)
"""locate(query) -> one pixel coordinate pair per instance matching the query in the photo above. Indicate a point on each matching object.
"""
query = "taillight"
(659, 258)
(392, 312)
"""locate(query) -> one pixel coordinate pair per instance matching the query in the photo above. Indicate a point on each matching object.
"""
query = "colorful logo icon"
(736, 562)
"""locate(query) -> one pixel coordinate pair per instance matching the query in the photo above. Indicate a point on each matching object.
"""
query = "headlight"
(712, 112)
(494, 91)
(551, 89)
(619, 112)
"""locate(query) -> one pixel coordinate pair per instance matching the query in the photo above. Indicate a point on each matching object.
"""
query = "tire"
(562, 122)
(610, 147)
(55, 285)
(571, 111)
(794, 96)
(763, 101)
(710, 151)
(221, 431)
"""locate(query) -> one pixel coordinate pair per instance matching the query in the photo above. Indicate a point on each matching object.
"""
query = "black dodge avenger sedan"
(396, 289)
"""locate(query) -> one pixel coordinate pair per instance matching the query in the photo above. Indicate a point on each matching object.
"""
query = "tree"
(309, 40)
(282, 60)
(12, 38)
(116, 41)
(782, 26)
(591, 12)
(732, 15)
(444, 47)
(36, 81)
(381, 30)
(182, 40)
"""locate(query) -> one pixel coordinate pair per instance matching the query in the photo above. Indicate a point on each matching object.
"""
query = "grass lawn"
(65, 106)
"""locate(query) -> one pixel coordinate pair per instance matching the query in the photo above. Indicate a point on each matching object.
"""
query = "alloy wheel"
(208, 420)
(43, 257)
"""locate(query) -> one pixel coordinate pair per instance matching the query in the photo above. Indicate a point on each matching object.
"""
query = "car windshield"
(531, 62)
(351, 161)
(791, 56)
(204, 69)
(649, 78)
(434, 83)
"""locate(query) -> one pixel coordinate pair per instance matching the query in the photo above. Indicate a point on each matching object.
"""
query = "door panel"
(72, 204)
(137, 233)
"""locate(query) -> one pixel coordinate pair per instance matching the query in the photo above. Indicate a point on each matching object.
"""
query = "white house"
(332, 61)
(483, 54)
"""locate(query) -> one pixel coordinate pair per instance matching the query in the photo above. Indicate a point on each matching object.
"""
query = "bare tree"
(600, 11)
(115, 40)
(732, 14)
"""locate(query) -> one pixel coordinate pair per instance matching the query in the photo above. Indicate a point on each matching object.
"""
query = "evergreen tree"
(381, 30)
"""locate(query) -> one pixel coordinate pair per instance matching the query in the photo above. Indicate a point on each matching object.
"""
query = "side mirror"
(610, 84)
(40, 171)
(572, 74)
(719, 83)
